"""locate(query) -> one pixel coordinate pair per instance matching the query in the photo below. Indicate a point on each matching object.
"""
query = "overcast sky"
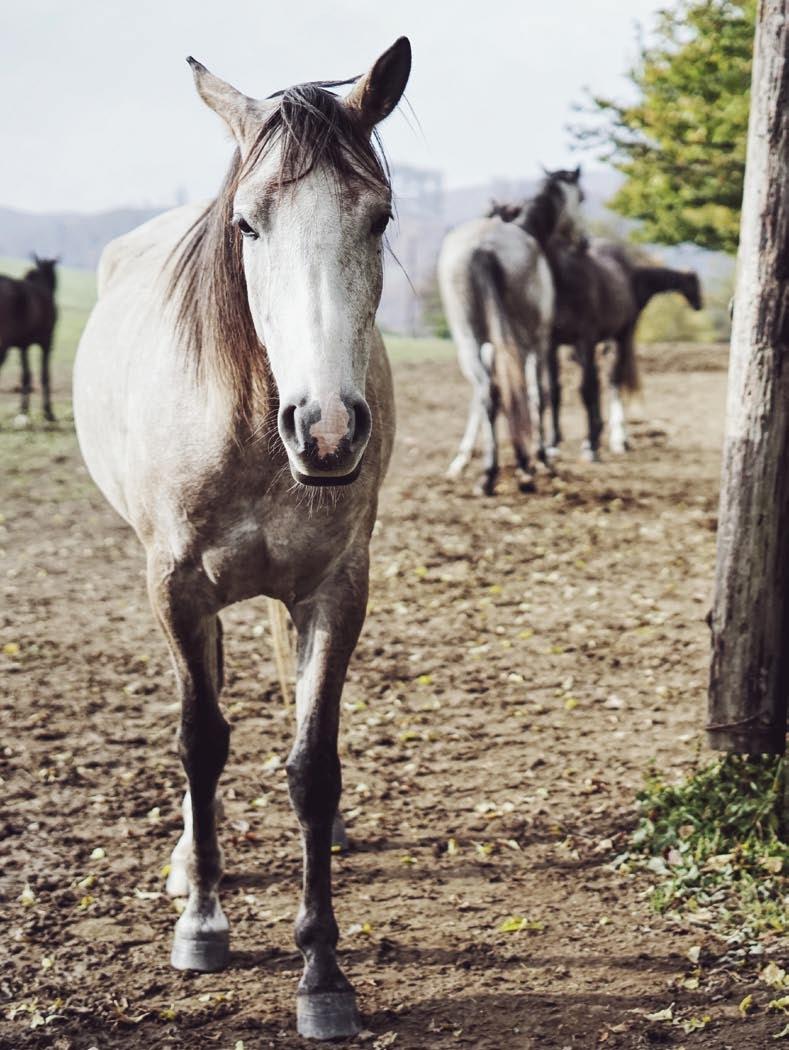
(97, 107)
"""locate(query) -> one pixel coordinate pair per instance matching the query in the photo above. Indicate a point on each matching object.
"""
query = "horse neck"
(541, 217)
(42, 279)
(653, 280)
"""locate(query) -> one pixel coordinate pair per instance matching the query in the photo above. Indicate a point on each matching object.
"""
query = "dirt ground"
(525, 660)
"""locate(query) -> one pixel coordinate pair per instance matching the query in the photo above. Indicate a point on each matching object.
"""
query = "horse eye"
(245, 228)
(380, 224)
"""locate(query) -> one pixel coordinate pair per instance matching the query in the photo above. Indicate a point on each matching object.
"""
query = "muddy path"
(525, 660)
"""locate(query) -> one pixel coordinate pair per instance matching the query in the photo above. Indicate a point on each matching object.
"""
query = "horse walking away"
(233, 402)
(27, 317)
(498, 297)
(600, 294)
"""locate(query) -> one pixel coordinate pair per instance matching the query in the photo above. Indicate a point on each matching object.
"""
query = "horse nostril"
(287, 423)
(361, 421)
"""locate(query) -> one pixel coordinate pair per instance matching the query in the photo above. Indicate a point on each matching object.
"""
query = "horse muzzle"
(326, 440)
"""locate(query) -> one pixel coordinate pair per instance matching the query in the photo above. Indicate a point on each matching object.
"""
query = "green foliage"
(681, 143)
(715, 842)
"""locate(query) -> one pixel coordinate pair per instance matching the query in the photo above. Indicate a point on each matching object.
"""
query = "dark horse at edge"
(27, 316)
(601, 292)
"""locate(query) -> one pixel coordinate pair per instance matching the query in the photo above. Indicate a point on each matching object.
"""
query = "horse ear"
(376, 94)
(243, 115)
(577, 174)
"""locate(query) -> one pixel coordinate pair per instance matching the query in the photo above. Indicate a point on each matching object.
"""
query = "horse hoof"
(327, 1015)
(205, 953)
(526, 482)
(21, 421)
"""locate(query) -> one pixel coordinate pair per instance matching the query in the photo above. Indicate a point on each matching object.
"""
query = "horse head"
(305, 209)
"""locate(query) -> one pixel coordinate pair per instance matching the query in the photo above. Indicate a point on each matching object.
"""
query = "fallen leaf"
(775, 976)
(662, 1015)
(695, 1024)
(515, 923)
(27, 897)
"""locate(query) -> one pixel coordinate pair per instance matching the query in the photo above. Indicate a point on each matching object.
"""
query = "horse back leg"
(490, 398)
(555, 390)
(328, 625)
(617, 424)
(476, 361)
(191, 626)
(469, 439)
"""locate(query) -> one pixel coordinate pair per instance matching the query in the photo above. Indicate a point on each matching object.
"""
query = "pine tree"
(681, 143)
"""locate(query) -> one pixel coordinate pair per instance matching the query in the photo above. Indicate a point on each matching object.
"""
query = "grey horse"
(498, 296)
(233, 402)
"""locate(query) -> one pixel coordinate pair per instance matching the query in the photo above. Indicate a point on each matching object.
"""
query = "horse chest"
(265, 548)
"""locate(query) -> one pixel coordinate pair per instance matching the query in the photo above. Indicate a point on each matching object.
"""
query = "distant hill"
(76, 238)
(415, 238)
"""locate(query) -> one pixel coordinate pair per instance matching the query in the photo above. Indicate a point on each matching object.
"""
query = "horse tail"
(284, 656)
(504, 363)
(625, 373)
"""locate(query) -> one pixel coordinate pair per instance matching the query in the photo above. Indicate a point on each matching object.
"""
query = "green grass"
(407, 348)
(716, 844)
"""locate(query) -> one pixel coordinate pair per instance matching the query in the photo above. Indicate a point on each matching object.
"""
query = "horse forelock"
(313, 129)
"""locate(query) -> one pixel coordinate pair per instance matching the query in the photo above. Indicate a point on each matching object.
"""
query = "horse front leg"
(27, 382)
(328, 625)
(49, 415)
(590, 392)
(188, 618)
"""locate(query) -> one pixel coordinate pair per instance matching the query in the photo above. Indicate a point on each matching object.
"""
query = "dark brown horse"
(600, 294)
(27, 316)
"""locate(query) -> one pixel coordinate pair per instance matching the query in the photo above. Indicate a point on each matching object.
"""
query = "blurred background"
(104, 129)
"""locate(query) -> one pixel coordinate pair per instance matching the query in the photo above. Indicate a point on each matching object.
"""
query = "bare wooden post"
(749, 675)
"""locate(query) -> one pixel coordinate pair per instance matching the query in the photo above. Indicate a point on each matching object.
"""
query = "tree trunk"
(749, 675)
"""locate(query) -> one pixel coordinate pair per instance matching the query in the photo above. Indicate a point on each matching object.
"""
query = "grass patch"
(407, 348)
(716, 843)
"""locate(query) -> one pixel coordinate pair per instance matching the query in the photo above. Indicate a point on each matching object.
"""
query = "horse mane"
(540, 215)
(314, 129)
